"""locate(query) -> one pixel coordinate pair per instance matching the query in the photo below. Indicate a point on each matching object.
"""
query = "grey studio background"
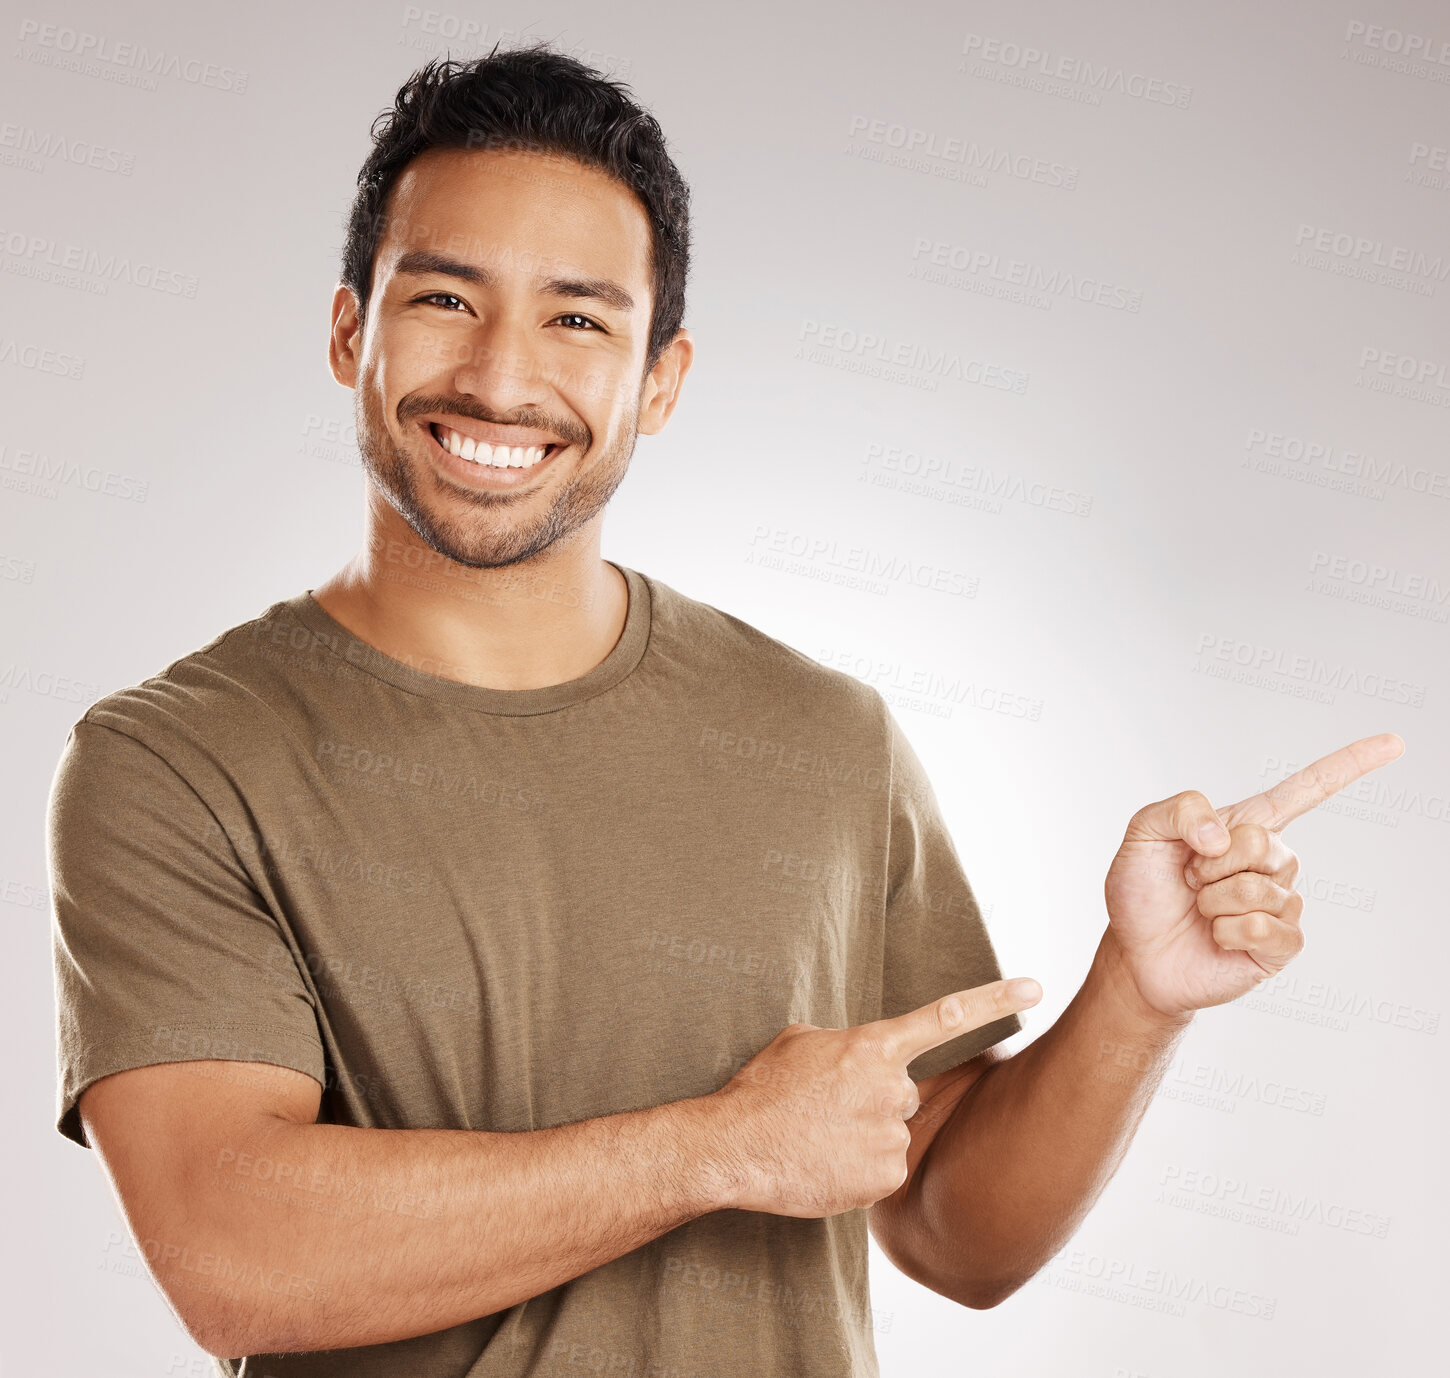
(1078, 375)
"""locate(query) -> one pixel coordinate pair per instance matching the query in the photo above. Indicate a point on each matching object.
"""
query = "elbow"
(984, 1296)
(228, 1329)
(224, 1334)
(981, 1301)
(218, 1322)
(192, 1279)
(215, 1332)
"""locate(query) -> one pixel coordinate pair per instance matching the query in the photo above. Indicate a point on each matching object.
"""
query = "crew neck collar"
(626, 654)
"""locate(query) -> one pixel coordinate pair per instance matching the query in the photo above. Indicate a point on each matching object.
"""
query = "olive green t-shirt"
(460, 907)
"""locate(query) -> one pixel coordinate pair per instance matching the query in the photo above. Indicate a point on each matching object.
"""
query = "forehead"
(519, 212)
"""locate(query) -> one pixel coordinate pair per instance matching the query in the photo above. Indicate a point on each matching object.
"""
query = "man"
(494, 961)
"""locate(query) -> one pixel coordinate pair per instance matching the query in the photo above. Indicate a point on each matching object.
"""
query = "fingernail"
(1210, 834)
(1024, 989)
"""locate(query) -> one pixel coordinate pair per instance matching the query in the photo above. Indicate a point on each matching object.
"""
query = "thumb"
(1186, 817)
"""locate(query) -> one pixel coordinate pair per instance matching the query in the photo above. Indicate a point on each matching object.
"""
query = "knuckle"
(862, 1042)
(1216, 900)
(1256, 887)
(866, 1051)
(1186, 802)
(1250, 887)
(1256, 839)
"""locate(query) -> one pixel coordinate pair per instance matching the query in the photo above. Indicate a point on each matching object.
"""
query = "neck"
(544, 621)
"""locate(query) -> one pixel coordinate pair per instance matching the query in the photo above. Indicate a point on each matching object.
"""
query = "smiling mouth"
(490, 456)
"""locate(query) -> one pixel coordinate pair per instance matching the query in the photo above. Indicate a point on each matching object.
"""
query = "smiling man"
(495, 962)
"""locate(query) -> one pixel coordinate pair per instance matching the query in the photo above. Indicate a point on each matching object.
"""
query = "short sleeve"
(935, 939)
(163, 949)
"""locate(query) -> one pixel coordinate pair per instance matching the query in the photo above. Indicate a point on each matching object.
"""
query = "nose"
(500, 363)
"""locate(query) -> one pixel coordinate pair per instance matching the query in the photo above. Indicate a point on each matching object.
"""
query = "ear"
(662, 386)
(344, 345)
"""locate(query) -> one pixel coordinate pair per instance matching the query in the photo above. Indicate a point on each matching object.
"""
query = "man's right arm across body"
(269, 1232)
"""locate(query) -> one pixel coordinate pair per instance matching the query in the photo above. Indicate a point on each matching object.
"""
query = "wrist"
(715, 1170)
(1112, 978)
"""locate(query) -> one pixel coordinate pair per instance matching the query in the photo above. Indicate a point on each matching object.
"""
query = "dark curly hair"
(532, 99)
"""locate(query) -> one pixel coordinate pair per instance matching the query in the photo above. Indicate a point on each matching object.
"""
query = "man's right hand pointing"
(815, 1123)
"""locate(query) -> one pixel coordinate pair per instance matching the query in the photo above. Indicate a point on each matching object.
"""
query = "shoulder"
(214, 698)
(701, 638)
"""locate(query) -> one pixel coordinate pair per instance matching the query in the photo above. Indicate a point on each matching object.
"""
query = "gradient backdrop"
(1121, 328)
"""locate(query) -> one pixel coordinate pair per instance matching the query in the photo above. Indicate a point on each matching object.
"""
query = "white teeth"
(495, 456)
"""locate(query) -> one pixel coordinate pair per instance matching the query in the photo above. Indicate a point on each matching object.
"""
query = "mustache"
(418, 405)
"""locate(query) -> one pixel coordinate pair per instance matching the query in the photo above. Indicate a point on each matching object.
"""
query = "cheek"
(409, 358)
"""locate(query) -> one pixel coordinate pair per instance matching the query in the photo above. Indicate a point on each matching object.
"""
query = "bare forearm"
(1021, 1159)
(330, 1236)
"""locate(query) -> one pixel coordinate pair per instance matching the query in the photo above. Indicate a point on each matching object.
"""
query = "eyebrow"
(422, 262)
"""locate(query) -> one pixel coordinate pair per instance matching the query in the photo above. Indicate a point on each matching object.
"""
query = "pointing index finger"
(907, 1036)
(1308, 788)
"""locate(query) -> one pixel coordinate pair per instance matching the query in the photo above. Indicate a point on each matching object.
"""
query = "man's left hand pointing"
(1201, 901)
